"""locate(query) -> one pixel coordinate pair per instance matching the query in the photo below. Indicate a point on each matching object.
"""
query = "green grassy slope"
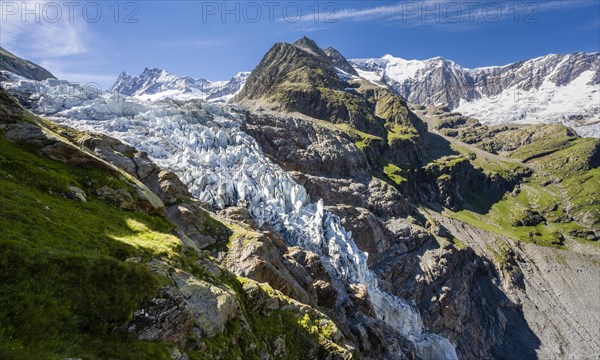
(65, 282)
(560, 199)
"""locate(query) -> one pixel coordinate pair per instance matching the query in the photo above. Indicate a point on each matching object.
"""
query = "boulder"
(116, 197)
(211, 307)
(164, 318)
(76, 194)
(259, 256)
(190, 220)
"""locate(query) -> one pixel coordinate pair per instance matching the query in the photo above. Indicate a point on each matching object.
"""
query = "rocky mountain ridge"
(12, 63)
(552, 88)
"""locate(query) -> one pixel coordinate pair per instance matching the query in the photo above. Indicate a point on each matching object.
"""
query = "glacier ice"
(223, 166)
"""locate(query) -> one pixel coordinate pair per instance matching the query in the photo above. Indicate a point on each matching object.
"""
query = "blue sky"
(216, 39)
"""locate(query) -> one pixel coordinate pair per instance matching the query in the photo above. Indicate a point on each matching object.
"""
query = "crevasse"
(223, 166)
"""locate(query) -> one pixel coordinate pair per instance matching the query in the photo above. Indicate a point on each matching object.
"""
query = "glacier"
(203, 143)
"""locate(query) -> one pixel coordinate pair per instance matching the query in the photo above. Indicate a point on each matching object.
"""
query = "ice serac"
(223, 166)
(554, 88)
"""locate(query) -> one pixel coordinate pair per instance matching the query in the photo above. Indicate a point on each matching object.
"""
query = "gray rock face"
(190, 220)
(189, 309)
(555, 290)
(260, 256)
(300, 145)
(164, 318)
(366, 192)
(116, 197)
(339, 61)
(211, 306)
(77, 194)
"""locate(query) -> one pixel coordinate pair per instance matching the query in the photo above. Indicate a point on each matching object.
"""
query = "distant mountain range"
(554, 88)
(549, 89)
(153, 84)
(562, 89)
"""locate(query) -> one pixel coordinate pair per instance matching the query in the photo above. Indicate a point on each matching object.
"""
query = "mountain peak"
(339, 61)
(152, 71)
(305, 42)
(310, 46)
(302, 63)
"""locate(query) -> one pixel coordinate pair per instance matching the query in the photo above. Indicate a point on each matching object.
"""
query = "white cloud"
(448, 12)
(41, 29)
(62, 44)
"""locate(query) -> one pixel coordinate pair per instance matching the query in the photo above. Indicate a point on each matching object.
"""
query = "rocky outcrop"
(339, 61)
(263, 256)
(201, 315)
(299, 144)
(27, 69)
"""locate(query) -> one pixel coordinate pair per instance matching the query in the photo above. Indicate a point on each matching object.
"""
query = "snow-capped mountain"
(552, 88)
(153, 84)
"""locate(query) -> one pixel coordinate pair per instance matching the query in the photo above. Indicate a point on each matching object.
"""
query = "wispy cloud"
(451, 12)
(54, 36)
(594, 25)
(42, 28)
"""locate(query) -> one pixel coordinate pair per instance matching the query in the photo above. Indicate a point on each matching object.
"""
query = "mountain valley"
(314, 208)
